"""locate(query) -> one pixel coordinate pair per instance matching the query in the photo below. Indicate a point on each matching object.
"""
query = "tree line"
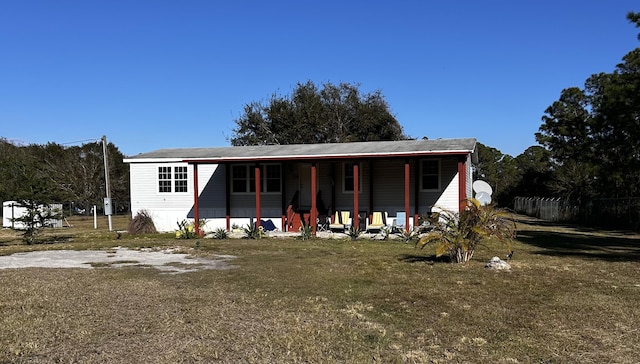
(589, 142)
(54, 173)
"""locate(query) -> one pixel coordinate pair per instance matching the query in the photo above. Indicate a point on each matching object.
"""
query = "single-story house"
(297, 184)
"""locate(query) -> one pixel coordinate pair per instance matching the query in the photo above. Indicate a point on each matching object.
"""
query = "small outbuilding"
(12, 210)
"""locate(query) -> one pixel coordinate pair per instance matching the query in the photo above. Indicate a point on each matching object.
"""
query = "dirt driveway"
(169, 260)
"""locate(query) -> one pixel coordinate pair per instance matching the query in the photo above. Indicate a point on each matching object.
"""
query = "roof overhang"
(307, 152)
(321, 157)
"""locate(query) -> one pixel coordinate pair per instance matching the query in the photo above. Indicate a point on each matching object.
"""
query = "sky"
(154, 74)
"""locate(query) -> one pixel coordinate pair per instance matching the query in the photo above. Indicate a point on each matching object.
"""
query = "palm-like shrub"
(458, 234)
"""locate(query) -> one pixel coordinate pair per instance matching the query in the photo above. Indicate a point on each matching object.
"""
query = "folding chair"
(323, 221)
(378, 221)
(399, 222)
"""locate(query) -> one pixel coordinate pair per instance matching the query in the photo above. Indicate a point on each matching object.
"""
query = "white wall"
(166, 209)
(11, 210)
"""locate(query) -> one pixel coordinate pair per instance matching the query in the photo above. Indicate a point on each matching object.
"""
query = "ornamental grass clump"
(306, 232)
(220, 233)
(458, 234)
(142, 223)
(354, 233)
(185, 230)
(253, 232)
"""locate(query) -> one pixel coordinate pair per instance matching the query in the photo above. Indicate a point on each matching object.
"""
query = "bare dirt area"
(167, 260)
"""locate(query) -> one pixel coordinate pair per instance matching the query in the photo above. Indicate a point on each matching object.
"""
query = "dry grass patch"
(333, 301)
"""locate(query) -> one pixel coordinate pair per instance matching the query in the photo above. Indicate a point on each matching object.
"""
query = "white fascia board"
(152, 160)
(326, 156)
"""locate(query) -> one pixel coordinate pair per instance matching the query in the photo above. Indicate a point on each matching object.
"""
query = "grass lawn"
(571, 297)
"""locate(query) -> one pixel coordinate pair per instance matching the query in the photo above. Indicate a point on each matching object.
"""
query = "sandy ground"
(166, 261)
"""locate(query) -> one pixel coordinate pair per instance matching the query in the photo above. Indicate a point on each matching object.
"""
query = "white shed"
(13, 210)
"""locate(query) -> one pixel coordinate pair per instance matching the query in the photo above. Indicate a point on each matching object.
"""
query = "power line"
(82, 141)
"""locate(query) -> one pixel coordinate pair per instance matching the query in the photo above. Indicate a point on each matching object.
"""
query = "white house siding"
(388, 186)
(166, 209)
(449, 181)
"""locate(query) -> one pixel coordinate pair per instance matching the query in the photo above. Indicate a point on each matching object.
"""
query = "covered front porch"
(307, 191)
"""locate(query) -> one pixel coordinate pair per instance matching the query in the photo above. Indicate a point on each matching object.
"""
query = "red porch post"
(227, 196)
(356, 184)
(371, 196)
(462, 184)
(257, 183)
(196, 207)
(407, 193)
(314, 212)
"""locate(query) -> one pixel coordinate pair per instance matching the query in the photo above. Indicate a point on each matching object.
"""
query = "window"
(164, 179)
(430, 175)
(173, 182)
(272, 178)
(180, 179)
(243, 178)
(348, 178)
(239, 178)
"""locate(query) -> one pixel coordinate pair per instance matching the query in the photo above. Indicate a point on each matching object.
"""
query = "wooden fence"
(615, 213)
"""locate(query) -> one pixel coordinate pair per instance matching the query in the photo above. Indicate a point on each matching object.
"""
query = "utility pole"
(107, 201)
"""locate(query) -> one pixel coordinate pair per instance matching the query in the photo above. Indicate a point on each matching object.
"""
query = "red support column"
(227, 195)
(356, 192)
(196, 206)
(407, 193)
(257, 181)
(462, 185)
(314, 207)
(371, 196)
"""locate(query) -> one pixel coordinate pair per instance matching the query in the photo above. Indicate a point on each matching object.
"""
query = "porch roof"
(377, 149)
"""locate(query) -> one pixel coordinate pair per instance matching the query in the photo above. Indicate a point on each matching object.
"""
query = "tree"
(36, 193)
(499, 171)
(75, 174)
(567, 127)
(333, 114)
(634, 18)
(593, 134)
(535, 168)
(10, 156)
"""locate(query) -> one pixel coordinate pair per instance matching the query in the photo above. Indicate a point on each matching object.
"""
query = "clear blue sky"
(152, 74)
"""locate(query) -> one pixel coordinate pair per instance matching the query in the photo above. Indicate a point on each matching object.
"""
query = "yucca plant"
(354, 232)
(220, 233)
(458, 234)
(185, 230)
(306, 232)
(253, 232)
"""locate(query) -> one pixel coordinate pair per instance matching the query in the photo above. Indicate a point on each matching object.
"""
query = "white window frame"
(250, 181)
(170, 172)
(423, 174)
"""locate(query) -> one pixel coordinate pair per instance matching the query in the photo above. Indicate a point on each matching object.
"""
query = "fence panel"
(616, 213)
